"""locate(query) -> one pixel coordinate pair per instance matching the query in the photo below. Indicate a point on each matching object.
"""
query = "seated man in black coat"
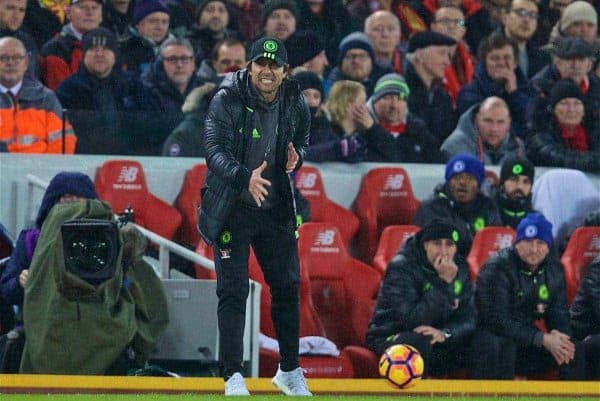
(520, 285)
(426, 300)
(461, 201)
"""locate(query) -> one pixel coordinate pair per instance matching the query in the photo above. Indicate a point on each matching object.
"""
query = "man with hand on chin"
(256, 132)
(426, 300)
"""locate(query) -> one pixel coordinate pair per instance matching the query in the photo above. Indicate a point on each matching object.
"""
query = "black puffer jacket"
(585, 311)
(228, 125)
(545, 148)
(467, 218)
(510, 298)
(412, 294)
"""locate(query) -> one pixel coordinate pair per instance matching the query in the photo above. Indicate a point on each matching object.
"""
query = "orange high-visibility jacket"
(32, 122)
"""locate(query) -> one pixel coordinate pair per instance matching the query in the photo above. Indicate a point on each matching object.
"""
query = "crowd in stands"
(465, 83)
(491, 79)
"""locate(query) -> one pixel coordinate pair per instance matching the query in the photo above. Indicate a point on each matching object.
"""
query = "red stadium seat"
(207, 251)
(188, 201)
(486, 243)
(122, 183)
(315, 365)
(385, 198)
(583, 247)
(391, 240)
(344, 289)
(322, 209)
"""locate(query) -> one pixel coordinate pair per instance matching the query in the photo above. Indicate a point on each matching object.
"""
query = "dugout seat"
(344, 290)
(322, 366)
(385, 198)
(391, 240)
(582, 248)
(486, 243)
(322, 209)
(122, 183)
(188, 201)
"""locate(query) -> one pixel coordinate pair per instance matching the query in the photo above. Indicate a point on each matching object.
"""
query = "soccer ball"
(402, 365)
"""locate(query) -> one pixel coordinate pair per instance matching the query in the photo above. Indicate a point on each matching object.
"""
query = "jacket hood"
(193, 101)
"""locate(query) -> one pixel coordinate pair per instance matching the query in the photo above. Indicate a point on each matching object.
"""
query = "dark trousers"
(500, 358)
(439, 358)
(591, 345)
(276, 249)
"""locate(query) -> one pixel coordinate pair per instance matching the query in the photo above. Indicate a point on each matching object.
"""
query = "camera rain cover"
(90, 248)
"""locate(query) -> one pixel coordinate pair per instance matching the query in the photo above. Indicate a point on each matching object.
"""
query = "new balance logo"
(595, 243)
(325, 238)
(128, 174)
(503, 241)
(394, 182)
(307, 180)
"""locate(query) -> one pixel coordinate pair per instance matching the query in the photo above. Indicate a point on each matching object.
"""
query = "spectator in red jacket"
(60, 57)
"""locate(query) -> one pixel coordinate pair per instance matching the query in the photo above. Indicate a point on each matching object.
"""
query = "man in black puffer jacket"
(461, 201)
(426, 300)
(518, 286)
(585, 317)
(256, 133)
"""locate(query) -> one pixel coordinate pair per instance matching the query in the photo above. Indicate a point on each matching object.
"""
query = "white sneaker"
(291, 383)
(236, 386)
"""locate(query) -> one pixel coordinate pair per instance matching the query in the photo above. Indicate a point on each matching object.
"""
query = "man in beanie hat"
(398, 135)
(461, 201)
(149, 29)
(484, 131)
(572, 58)
(426, 300)
(65, 187)
(248, 200)
(210, 27)
(579, 19)
(60, 57)
(356, 62)
(518, 286)
(279, 18)
(99, 96)
(514, 192)
(568, 139)
(429, 56)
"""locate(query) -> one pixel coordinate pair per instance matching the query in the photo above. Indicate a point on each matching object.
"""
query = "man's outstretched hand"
(292, 158)
(258, 185)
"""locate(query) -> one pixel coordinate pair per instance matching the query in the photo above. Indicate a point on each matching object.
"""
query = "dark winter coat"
(114, 20)
(161, 104)
(510, 298)
(543, 82)
(100, 109)
(483, 86)
(466, 139)
(545, 148)
(415, 145)
(225, 141)
(585, 311)
(512, 211)
(434, 105)
(137, 52)
(467, 218)
(60, 58)
(412, 294)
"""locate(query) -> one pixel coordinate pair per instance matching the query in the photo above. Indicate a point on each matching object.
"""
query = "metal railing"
(165, 246)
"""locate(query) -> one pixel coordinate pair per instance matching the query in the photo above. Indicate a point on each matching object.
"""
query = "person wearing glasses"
(99, 97)
(356, 62)
(520, 21)
(149, 29)
(397, 135)
(450, 21)
(164, 89)
(31, 117)
(12, 15)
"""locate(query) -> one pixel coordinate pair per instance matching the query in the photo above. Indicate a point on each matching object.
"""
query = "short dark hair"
(229, 42)
(494, 41)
